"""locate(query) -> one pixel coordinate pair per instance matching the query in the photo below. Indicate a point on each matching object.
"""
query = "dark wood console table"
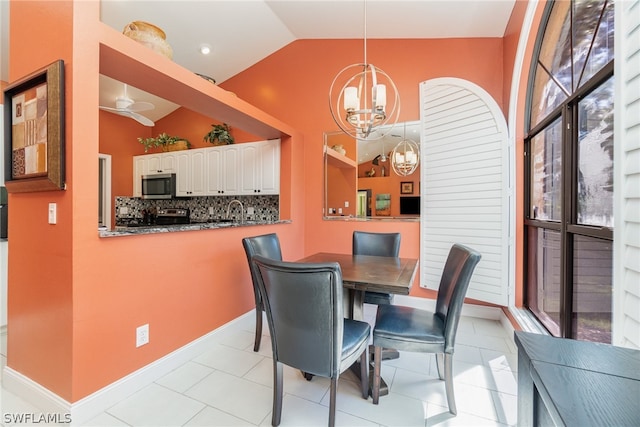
(566, 382)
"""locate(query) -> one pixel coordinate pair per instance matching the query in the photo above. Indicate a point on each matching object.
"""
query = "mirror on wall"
(359, 180)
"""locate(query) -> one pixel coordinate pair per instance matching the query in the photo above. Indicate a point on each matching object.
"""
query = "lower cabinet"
(238, 169)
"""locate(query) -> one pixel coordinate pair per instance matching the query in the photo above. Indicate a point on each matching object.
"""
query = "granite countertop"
(154, 229)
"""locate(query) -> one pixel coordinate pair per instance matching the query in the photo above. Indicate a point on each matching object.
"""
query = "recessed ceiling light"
(205, 49)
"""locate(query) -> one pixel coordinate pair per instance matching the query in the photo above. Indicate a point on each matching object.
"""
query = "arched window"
(569, 171)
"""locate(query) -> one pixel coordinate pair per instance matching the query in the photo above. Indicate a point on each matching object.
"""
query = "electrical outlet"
(124, 210)
(250, 211)
(346, 203)
(142, 335)
(210, 210)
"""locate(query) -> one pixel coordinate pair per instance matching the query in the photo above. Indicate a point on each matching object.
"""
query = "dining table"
(361, 273)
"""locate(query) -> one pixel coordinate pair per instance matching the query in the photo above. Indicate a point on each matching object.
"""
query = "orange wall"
(293, 84)
(72, 319)
(40, 319)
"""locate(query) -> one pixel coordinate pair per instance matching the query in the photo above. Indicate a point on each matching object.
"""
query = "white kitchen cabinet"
(191, 173)
(222, 163)
(260, 167)
(230, 170)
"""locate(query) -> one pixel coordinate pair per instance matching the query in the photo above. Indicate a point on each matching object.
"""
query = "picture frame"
(406, 187)
(34, 131)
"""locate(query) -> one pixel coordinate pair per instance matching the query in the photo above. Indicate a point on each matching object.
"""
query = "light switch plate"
(53, 213)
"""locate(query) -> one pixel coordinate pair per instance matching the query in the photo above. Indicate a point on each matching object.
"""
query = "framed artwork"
(406, 187)
(34, 131)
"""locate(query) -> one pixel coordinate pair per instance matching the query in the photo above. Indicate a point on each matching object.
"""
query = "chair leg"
(332, 402)
(277, 394)
(439, 365)
(448, 382)
(256, 344)
(364, 375)
(377, 357)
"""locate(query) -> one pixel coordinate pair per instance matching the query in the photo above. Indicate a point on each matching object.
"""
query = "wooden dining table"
(362, 273)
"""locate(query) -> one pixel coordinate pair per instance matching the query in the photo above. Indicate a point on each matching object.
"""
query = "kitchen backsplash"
(265, 208)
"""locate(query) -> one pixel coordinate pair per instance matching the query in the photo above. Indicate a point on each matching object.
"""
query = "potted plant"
(219, 135)
(165, 142)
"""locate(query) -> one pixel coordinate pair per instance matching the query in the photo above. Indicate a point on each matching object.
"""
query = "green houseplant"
(219, 135)
(164, 142)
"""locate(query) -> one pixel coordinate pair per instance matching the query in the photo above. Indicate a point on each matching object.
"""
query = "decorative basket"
(178, 146)
(150, 36)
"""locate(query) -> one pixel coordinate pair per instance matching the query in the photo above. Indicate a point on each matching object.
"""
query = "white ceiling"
(243, 32)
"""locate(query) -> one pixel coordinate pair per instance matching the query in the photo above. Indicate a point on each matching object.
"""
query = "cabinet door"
(139, 169)
(229, 170)
(183, 175)
(270, 167)
(168, 162)
(198, 173)
(249, 155)
(190, 173)
(214, 184)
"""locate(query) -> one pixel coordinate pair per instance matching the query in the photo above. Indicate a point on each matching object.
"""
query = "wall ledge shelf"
(338, 160)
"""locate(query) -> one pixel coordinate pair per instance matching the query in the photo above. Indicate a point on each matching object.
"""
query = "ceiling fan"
(127, 107)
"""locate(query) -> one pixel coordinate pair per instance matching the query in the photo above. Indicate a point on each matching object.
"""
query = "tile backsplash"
(265, 208)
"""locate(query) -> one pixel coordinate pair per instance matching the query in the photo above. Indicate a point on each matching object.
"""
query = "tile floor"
(230, 385)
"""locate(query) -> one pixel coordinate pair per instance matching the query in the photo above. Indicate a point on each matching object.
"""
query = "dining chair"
(376, 244)
(267, 245)
(304, 307)
(416, 330)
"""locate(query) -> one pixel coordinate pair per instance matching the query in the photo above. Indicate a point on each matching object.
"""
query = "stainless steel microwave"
(159, 186)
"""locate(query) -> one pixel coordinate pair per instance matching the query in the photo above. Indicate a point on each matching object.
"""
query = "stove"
(172, 216)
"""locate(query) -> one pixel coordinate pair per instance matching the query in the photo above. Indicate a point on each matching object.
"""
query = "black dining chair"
(267, 245)
(376, 244)
(423, 331)
(304, 309)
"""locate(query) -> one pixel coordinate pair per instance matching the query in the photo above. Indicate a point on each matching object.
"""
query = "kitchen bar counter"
(119, 231)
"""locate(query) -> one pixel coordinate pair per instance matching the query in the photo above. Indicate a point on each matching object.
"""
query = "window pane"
(546, 170)
(594, 52)
(592, 272)
(546, 96)
(595, 157)
(543, 290)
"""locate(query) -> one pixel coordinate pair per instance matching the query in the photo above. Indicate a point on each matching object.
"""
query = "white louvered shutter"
(464, 184)
(626, 235)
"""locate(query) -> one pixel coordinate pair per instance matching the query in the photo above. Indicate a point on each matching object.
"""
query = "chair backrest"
(454, 283)
(266, 245)
(376, 244)
(303, 302)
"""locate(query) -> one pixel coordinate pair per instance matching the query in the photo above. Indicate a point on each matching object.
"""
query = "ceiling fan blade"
(128, 113)
(141, 119)
(111, 109)
(141, 106)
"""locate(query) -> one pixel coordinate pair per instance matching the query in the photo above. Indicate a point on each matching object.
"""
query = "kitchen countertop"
(154, 229)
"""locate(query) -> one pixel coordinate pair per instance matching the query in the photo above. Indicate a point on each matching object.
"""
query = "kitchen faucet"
(241, 209)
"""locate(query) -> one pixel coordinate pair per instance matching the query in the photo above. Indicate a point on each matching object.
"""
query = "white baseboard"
(88, 407)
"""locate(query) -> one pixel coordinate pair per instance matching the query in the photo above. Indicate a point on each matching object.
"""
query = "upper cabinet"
(260, 167)
(191, 173)
(230, 170)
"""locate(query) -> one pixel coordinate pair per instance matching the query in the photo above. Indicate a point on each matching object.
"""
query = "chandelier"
(362, 97)
(405, 157)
